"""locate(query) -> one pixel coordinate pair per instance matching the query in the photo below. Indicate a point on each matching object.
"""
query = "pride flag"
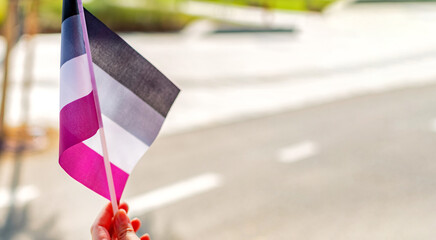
(132, 102)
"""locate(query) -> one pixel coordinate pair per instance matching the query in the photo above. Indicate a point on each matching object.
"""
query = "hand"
(107, 227)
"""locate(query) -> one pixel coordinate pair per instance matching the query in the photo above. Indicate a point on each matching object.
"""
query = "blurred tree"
(10, 33)
(31, 25)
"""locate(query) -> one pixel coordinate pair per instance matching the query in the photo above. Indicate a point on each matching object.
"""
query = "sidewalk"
(230, 77)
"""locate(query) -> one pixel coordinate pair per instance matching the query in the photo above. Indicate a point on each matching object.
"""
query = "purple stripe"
(87, 167)
(78, 122)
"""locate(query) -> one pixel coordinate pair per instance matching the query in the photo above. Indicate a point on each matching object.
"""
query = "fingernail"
(121, 218)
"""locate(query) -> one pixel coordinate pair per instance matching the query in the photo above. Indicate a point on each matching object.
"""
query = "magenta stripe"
(87, 167)
(78, 122)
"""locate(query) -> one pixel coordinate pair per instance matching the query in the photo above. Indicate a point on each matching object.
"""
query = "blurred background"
(298, 119)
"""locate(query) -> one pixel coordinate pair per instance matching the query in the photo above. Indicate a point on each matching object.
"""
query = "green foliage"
(299, 5)
(149, 15)
(135, 17)
(3, 7)
(50, 15)
(156, 17)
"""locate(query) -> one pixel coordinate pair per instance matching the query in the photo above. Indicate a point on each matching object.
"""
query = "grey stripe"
(128, 67)
(126, 109)
(72, 39)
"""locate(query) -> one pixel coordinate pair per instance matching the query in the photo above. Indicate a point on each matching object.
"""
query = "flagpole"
(107, 164)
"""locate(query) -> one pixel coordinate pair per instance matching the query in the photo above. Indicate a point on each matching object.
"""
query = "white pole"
(107, 164)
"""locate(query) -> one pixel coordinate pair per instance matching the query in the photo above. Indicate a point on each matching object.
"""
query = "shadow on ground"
(17, 224)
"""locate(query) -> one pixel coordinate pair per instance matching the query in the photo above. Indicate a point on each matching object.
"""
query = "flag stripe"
(121, 145)
(117, 102)
(69, 8)
(135, 99)
(71, 39)
(78, 122)
(87, 167)
(75, 80)
(128, 67)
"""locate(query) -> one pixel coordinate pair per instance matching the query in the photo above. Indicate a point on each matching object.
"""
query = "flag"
(133, 101)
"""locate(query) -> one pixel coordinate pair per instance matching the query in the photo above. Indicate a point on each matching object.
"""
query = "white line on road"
(297, 152)
(170, 194)
(22, 196)
(433, 125)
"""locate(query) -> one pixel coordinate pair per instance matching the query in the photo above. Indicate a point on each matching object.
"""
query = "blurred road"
(326, 133)
(361, 168)
(368, 175)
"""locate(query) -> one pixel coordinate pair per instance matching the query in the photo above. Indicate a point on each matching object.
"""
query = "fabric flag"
(134, 100)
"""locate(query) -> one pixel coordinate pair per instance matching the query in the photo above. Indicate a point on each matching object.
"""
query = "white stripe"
(297, 152)
(117, 102)
(75, 80)
(181, 190)
(21, 196)
(124, 149)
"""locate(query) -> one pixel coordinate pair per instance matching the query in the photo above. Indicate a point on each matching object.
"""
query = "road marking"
(297, 152)
(170, 194)
(433, 125)
(22, 196)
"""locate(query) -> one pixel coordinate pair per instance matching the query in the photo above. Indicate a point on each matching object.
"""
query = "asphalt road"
(361, 168)
(372, 178)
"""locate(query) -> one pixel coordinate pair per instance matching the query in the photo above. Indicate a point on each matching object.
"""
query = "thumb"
(122, 226)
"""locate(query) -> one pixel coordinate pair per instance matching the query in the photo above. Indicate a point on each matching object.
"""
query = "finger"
(145, 237)
(136, 224)
(124, 206)
(104, 219)
(100, 233)
(122, 226)
(121, 206)
(109, 226)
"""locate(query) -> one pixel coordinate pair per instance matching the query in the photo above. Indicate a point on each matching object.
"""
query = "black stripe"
(123, 63)
(117, 102)
(69, 8)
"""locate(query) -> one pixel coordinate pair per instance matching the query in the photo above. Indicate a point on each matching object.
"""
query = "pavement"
(369, 174)
(323, 133)
(361, 168)
(231, 77)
